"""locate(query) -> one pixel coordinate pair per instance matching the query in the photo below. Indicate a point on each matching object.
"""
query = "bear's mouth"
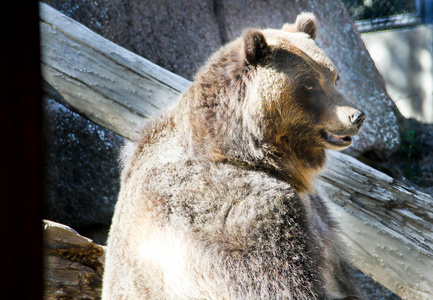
(337, 140)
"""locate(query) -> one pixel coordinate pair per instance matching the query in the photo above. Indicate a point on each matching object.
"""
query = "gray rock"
(81, 177)
(177, 35)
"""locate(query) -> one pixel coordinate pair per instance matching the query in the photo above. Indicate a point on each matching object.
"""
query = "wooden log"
(101, 80)
(386, 225)
(73, 264)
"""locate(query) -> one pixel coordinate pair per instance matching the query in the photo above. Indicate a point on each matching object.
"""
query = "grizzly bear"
(217, 197)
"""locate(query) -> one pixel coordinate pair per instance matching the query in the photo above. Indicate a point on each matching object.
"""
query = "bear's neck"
(301, 169)
(212, 140)
(298, 173)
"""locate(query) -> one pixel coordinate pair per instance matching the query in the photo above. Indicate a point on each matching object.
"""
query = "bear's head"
(269, 100)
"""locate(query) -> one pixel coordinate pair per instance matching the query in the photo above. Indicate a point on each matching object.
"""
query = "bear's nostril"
(357, 118)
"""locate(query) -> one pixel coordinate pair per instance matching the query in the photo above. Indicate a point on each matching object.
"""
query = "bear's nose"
(357, 118)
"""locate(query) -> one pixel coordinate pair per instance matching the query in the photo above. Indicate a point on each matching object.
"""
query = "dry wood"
(387, 226)
(73, 264)
(101, 80)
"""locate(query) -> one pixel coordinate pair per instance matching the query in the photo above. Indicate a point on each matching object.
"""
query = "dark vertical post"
(20, 152)
(424, 9)
(428, 12)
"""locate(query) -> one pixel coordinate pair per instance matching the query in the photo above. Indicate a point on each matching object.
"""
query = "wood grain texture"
(73, 264)
(386, 225)
(101, 80)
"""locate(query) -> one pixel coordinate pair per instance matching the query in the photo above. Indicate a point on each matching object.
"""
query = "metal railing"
(374, 15)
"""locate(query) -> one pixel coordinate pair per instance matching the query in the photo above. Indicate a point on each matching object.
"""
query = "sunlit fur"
(217, 198)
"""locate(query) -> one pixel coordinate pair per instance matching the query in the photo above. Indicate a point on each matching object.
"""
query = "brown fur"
(217, 200)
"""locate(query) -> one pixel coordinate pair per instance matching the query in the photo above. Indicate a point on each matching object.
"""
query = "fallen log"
(73, 264)
(102, 81)
(386, 225)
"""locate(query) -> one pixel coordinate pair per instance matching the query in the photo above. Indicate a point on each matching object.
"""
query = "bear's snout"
(357, 118)
(347, 122)
(350, 118)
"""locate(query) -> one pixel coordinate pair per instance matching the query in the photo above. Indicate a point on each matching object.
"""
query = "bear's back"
(223, 221)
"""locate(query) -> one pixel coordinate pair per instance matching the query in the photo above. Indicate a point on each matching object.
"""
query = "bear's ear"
(305, 22)
(254, 46)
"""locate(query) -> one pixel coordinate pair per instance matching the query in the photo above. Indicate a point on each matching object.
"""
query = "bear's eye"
(310, 85)
(309, 88)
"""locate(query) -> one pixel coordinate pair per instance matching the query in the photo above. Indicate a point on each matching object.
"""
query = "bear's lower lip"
(338, 140)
